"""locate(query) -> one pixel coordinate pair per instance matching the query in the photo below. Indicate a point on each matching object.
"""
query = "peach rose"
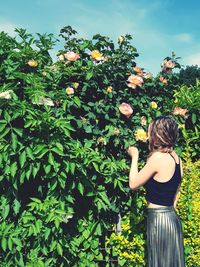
(32, 63)
(180, 111)
(134, 81)
(163, 80)
(70, 90)
(126, 109)
(138, 70)
(71, 56)
(6, 94)
(61, 57)
(147, 75)
(141, 135)
(143, 120)
(120, 39)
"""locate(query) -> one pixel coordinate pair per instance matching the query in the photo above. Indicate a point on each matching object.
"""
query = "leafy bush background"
(64, 165)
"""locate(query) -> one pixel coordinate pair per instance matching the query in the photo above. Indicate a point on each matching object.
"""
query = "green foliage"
(189, 75)
(63, 141)
(188, 209)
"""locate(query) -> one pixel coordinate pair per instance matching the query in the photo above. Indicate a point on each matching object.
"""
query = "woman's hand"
(133, 151)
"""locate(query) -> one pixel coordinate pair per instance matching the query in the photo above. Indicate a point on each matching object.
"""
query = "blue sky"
(158, 26)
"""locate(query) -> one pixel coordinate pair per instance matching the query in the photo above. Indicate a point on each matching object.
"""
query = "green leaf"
(17, 241)
(18, 131)
(4, 243)
(30, 153)
(14, 141)
(59, 249)
(22, 158)
(77, 101)
(89, 75)
(13, 169)
(16, 206)
(57, 151)
(194, 118)
(5, 132)
(36, 200)
(80, 188)
(10, 244)
(51, 159)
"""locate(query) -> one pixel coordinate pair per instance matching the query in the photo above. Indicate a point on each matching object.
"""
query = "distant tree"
(189, 75)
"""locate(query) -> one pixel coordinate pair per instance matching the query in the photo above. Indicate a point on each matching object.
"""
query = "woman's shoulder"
(157, 155)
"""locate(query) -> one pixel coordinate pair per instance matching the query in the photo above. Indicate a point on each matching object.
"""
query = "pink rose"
(71, 56)
(126, 109)
(134, 81)
(170, 64)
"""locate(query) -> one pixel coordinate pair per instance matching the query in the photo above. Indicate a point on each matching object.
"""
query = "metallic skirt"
(164, 238)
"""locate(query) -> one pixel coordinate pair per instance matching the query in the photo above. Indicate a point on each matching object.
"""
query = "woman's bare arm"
(137, 179)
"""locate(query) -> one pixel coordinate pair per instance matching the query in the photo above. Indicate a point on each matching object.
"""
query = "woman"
(161, 176)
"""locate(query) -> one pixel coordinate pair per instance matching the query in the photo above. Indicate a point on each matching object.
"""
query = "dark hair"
(163, 133)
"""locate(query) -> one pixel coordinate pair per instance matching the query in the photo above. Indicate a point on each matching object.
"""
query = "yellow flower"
(154, 105)
(176, 100)
(101, 140)
(95, 54)
(116, 131)
(32, 63)
(70, 90)
(44, 73)
(84, 120)
(109, 89)
(141, 135)
(75, 85)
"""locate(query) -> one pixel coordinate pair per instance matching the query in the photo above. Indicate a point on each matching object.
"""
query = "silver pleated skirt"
(164, 238)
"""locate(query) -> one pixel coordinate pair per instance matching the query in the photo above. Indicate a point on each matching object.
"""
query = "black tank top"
(163, 193)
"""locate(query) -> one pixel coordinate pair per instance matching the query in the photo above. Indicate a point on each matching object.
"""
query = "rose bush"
(64, 130)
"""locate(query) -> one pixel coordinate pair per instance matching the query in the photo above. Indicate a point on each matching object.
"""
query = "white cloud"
(184, 37)
(8, 27)
(193, 59)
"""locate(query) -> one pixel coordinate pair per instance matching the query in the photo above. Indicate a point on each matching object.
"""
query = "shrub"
(64, 130)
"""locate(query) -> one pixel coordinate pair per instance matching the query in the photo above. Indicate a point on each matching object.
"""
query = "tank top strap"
(174, 159)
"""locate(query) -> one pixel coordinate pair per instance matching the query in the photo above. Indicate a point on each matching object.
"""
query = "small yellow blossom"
(109, 89)
(95, 54)
(176, 100)
(44, 73)
(141, 135)
(101, 140)
(154, 105)
(116, 131)
(32, 63)
(75, 85)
